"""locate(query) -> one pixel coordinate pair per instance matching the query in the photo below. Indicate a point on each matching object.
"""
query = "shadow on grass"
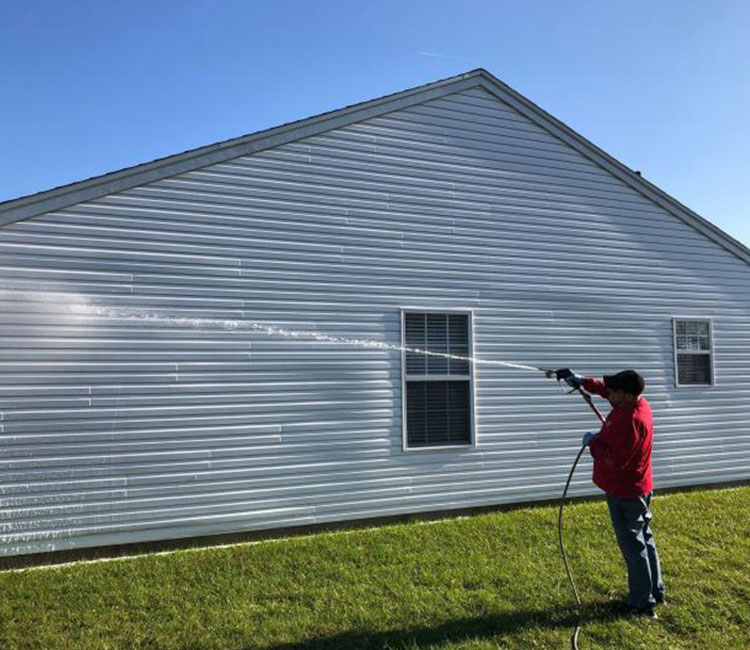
(455, 631)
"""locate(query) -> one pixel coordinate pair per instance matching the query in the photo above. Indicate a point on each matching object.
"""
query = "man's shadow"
(454, 631)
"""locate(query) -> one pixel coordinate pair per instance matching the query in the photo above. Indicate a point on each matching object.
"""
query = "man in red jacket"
(622, 468)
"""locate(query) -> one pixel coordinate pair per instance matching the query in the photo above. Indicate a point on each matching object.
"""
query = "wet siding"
(118, 429)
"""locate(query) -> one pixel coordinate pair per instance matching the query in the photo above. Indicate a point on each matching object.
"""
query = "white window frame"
(710, 352)
(472, 380)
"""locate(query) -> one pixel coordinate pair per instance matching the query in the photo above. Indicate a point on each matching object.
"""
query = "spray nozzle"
(559, 373)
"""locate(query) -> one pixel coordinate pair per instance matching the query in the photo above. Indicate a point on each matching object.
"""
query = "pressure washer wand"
(555, 374)
(587, 397)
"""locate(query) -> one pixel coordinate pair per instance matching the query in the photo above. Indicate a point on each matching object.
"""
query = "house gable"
(57, 198)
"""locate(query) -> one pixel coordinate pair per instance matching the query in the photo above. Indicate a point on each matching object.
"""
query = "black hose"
(577, 629)
(597, 412)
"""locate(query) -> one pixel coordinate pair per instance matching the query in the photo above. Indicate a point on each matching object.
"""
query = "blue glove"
(574, 381)
(587, 438)
(571, 378)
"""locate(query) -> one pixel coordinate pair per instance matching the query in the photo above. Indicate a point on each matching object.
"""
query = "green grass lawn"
(488, 581)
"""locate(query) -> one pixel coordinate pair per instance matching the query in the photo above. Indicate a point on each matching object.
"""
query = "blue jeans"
(631, 519)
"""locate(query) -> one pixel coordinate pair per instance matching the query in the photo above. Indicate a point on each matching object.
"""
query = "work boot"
(645, 612)
(623, 608)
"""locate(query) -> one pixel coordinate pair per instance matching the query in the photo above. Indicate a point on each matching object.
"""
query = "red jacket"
(622, 449)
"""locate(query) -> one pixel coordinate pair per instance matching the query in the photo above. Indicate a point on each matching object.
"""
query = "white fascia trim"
(586, 148)
(61, 197)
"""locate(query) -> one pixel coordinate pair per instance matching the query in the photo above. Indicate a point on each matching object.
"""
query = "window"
(438, 391)
(693, 350)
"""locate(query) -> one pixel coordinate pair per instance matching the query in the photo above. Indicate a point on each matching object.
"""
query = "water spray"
(83, 308)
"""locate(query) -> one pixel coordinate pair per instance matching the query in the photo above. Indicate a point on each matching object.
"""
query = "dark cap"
(628, 380)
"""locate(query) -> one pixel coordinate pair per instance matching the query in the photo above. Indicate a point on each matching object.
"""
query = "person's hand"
(571, 378)
(587, 438)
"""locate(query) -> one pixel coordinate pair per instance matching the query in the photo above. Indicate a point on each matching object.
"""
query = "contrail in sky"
(441, 56)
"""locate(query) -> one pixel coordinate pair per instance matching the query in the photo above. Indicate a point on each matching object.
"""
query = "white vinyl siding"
(116, 429)
(693, 349)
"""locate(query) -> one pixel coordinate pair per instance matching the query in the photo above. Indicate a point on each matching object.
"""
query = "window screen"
(693, 353)
(438, 388)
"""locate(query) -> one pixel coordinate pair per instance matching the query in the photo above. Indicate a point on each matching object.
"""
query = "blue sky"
(88, 87)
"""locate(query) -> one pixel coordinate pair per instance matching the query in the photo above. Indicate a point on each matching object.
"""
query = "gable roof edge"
(32, 205)
(63, 196)
(587, 148)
